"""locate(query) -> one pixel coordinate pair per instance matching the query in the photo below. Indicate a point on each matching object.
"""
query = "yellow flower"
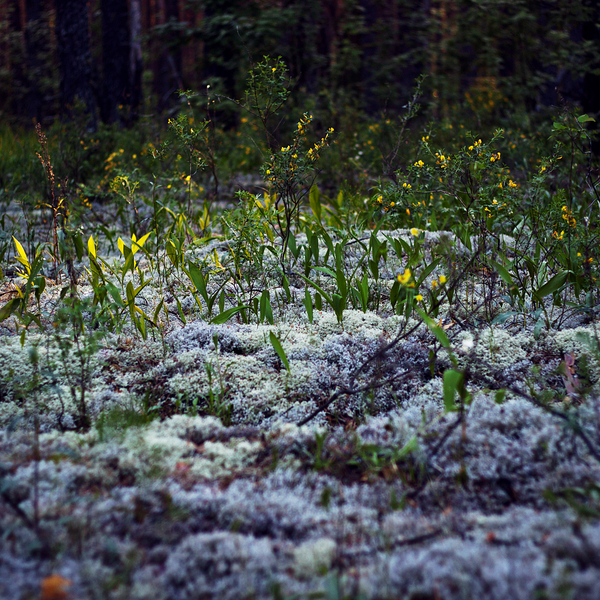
(419, 298)
(442, 279)
(380, 199)
(470, 147)
(404, 279)
(414, 231)
(419, 164)
(434, 283)
(273, 69)
(511, 184)
(392, 204)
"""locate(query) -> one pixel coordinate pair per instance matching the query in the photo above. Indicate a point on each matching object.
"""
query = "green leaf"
(129, 261)
(318, 301)
(439, 333)
(338, 305)
(78, 242)
(9, 308)
(285, 282)
(553, 285)
(198, 279)
(503, 272)
(279, 349)
(157, 312)
(325, 270)
(502, 317)
(308, 305)
(293, 246)
(314, 199)
(428, 271)
(313, 242)
(339, 271)
(452, 382)
(130, 296)
(141, 287)
(265, 307)
(364, 292)
(172, 253)
(40, 286)
(114, 292)
(538, 327)
(319, 289)
(180, 311)
(374, 267)
(141, 325)
(585, 119)
(432, 363)
(227, 314)
(500, 396)
(394, 293)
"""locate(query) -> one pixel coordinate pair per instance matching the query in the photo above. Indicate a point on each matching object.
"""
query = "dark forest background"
(123, 57)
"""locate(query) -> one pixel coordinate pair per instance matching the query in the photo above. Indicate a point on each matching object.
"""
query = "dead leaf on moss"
(54, 587)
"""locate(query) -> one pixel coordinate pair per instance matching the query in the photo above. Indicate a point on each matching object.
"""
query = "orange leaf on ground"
(54, 587)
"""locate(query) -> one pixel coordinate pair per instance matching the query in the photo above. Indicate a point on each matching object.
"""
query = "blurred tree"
(116, 50)
(168, 35)
(135, 57)
(121, 60)
(33, 51)
(74, 57)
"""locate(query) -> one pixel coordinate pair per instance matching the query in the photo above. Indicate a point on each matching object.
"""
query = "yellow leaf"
(92, 246)
(137, 244)
(23, 257)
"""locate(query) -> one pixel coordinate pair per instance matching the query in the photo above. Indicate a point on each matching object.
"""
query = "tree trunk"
(167, 66)
(33, 100)
(74, 57)
(116, 54)
(135, 57)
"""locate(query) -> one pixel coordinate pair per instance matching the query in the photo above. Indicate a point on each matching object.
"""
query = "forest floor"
(196, 479)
